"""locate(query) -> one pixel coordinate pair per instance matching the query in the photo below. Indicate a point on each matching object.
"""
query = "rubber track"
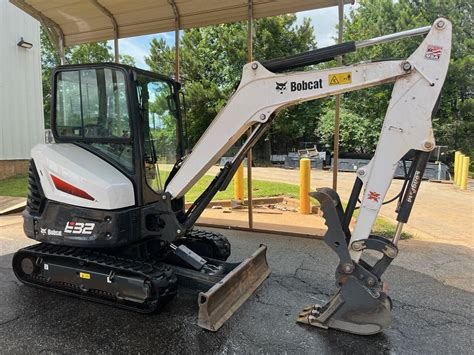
(219, 241)
(158, 273)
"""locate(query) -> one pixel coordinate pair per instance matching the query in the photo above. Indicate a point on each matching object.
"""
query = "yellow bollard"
(456, 166)
(464, 172)
(239, 183)
(305, 174)
(459, 170)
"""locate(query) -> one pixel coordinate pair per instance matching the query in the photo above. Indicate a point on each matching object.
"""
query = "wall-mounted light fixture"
(24, 44)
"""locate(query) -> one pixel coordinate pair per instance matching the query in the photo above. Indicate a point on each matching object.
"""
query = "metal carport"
(71, 22)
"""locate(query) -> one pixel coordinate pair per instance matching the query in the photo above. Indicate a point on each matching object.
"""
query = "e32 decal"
(79, 228)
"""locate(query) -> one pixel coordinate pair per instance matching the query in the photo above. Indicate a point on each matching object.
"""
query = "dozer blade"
(361, 305)
(225, 297)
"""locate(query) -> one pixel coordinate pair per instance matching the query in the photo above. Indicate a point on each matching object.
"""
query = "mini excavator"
(106, 198)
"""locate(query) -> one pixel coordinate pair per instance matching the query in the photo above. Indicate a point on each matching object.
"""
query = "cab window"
(157, 106)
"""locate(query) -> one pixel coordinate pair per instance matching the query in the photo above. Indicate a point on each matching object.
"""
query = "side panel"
(109, 188)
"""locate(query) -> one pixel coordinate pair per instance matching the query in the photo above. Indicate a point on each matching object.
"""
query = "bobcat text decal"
(302, 85)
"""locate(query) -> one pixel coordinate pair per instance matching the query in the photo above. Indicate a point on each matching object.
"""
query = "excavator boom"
(361, 305)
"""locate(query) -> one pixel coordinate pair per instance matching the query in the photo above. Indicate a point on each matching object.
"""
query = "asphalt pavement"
(429, 316)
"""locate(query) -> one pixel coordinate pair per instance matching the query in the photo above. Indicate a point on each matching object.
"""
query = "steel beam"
(115, 27)
(337, 118)
(249, 154)
(176, 37)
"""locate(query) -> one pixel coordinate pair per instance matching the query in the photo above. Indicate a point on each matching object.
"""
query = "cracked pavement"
(430, 285)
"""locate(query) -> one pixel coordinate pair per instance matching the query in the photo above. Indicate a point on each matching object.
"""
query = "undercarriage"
(141, 284)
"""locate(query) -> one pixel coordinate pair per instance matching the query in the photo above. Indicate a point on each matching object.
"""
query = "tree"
(49, 60)
(127, 60)
(84, 53)
(99, 52)
(356, 132)
(211, 64)
(453, 124)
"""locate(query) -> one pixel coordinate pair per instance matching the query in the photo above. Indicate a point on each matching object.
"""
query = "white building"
(21, 97)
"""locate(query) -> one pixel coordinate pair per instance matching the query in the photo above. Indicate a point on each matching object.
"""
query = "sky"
(323, 20)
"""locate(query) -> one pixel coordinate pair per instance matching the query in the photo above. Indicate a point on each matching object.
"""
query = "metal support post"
(177, 26)
(62, 59)
(176, 48)
(337, 118)
(115, 28)
(249, 154)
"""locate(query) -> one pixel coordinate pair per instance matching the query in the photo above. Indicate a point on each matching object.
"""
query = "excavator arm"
(361, 304)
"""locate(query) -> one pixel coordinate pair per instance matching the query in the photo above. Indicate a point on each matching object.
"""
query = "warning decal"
(340, 79)
(84, 275)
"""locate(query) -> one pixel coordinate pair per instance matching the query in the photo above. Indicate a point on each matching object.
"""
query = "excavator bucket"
(361, 305)
(226, 296)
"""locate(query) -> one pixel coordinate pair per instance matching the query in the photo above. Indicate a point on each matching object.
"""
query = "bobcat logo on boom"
(281, 87)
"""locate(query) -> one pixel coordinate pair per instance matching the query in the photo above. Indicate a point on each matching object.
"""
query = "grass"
(386, 229)
(259, 189)
(17, 186)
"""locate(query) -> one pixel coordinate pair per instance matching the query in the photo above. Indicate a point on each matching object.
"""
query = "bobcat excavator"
(110, 218)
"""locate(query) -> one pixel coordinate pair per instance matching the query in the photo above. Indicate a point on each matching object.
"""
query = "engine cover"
(97, 184)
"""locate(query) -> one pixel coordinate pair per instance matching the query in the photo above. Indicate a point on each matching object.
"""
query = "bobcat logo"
(281, 87)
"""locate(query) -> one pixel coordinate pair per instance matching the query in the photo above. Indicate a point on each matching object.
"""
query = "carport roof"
(82, 21)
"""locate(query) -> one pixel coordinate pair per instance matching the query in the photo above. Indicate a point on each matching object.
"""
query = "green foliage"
(163, 127)
(85, 53)
(357, 134)
(99, 52)
(127, 60)
(211, 64)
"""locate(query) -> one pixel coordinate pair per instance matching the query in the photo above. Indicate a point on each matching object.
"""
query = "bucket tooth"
(225, 297)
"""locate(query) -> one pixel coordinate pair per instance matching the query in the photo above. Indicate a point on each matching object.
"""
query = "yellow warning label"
(84, 275)
(340, 79)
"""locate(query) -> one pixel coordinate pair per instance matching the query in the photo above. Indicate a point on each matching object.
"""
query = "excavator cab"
(129, 117)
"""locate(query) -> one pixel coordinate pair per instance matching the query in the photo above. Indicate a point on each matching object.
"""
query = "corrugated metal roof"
(83, 21)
